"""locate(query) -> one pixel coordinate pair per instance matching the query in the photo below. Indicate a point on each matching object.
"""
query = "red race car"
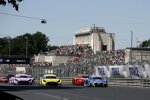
(3, 80)
(80, 79)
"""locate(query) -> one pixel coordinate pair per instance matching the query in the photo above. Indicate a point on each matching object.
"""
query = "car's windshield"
(23, 76)
(85, 76)
(3, 77)
(50, 77)
(97, 77)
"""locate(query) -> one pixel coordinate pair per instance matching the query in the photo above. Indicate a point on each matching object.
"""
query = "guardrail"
(146, 82)
(119, 82)
(124, 82)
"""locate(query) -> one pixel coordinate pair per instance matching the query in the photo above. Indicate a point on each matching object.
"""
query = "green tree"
(18, 46)
(14, 3)
(34, 43)
(146, 43)
(4, 45)
(40, 42)
(52, 47)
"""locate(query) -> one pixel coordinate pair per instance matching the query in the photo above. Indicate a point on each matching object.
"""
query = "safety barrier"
(66, 80)
(119, 82)
(124, 82)
(146, 82)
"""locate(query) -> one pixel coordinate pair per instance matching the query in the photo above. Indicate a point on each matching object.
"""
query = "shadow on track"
(35, 87)
(7, 96)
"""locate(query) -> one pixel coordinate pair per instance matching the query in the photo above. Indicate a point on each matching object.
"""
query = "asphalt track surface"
(70, 92)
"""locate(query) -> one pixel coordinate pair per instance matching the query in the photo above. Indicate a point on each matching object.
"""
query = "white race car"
(21, 79)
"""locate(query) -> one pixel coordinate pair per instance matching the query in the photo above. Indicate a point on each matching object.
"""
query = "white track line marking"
(65, 99)
(77, 95)
(49, 95)
(53, 96)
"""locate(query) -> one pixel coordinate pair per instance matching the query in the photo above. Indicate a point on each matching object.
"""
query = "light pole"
(9, 48)
(131, 47)
(26, 47)
(141, 51)
(93, 38)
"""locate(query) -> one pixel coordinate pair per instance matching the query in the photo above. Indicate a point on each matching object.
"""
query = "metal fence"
(66, 71)
(61, 71)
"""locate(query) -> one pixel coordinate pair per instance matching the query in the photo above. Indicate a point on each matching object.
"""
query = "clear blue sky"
(64, 17)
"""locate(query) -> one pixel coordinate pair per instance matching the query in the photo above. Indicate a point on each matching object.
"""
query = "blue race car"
(96, 81)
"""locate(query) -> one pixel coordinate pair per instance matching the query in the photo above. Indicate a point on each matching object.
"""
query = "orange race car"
(80, 79)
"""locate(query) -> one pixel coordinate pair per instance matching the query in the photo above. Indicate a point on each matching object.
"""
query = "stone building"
(96, 37)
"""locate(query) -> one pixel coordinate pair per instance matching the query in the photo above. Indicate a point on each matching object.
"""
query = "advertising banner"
(101, 71)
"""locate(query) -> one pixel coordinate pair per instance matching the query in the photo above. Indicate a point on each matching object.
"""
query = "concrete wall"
(21, 70)
(138, 54)
(55, 60)
(59, 59)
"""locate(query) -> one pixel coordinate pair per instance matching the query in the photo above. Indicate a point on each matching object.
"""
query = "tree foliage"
(40, 42)
(52, 47)
(146, 43)
(34, 43)
(4, 44)
(14, 3)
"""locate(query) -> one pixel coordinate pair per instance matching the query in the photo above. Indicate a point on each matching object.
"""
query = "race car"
(50, 80)
(80, 79)
(95, 81)
(21, 79)
(3, 79)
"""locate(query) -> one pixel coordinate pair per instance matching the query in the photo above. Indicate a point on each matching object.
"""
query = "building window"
(104, 47)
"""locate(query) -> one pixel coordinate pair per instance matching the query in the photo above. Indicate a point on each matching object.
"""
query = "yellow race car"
(50, 80)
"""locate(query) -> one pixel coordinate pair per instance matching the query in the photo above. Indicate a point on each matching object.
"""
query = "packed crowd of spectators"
(77, 52)
(72, 50)
(102, 58)
(110, 57)
(83, 52)
(80, 53)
